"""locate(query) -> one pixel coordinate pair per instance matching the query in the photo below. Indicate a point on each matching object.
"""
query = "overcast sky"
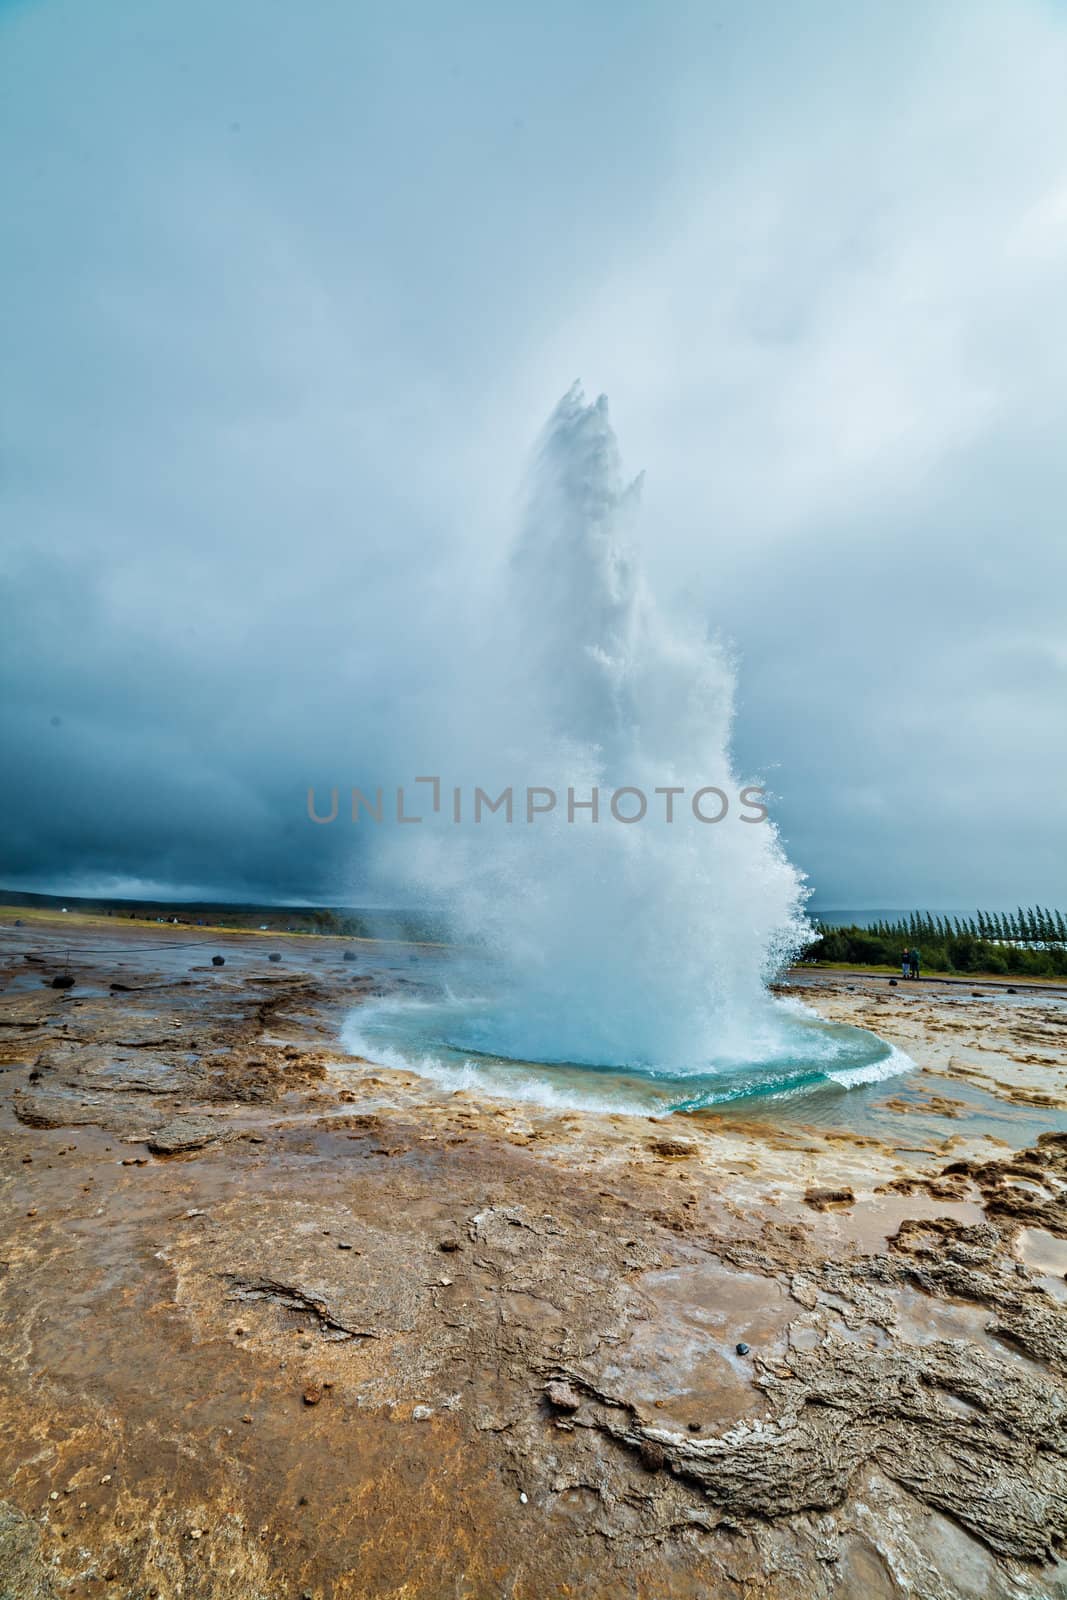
(287, 292)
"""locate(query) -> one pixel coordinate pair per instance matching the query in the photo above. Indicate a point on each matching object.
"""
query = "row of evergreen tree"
(1029, 942)
(1034, 925)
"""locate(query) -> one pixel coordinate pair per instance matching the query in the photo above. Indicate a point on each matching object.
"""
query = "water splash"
(646, 945)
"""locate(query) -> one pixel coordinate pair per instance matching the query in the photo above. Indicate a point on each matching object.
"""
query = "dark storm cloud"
(288, 294)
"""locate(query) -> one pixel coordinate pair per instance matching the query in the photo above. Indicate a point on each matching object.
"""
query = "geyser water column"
(645, 945)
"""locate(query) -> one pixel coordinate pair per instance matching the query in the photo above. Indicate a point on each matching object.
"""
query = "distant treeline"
(1028, 942)
(407, 925)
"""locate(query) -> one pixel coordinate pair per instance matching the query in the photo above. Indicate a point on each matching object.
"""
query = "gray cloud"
(288, 295)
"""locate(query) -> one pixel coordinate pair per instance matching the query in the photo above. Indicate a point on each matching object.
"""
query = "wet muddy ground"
(276, 1323)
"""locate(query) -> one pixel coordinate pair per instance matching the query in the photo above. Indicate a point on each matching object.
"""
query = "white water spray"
(646, 945)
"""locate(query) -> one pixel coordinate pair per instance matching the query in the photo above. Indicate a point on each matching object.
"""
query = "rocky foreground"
(274, 1323)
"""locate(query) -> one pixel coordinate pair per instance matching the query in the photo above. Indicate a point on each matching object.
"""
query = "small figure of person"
(905, 964)
(913, 962)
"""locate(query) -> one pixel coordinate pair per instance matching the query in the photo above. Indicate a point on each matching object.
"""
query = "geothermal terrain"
(279, 1323)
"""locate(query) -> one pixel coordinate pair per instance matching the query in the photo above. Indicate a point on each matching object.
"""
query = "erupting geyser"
(644, 947)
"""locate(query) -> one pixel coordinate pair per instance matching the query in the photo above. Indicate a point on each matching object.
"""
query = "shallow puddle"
(1043, 1252)
(682, 1365)
(872, 1223)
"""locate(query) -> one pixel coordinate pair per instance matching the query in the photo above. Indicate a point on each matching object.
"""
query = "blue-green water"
(800, 1070)
(464, 1043)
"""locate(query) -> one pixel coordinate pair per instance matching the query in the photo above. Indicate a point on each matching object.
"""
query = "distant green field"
(328, 921)
(927, 972)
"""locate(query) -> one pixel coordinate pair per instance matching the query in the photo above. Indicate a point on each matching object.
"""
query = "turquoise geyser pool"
(465, 1043)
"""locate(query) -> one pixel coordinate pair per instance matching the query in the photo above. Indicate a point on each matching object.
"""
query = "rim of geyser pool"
(420, 1036)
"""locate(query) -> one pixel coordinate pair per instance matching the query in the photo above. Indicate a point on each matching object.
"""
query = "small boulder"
(562, 1396)
(63, 980)
(186, 1133)
(274, 956)
(820, 1199)
(653, 1457)
(672, 1149)
(218, 961)
(742, 1349)
(348, 955)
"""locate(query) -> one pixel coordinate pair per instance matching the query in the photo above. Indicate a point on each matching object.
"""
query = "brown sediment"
(938, 1105)
(349, 1335)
